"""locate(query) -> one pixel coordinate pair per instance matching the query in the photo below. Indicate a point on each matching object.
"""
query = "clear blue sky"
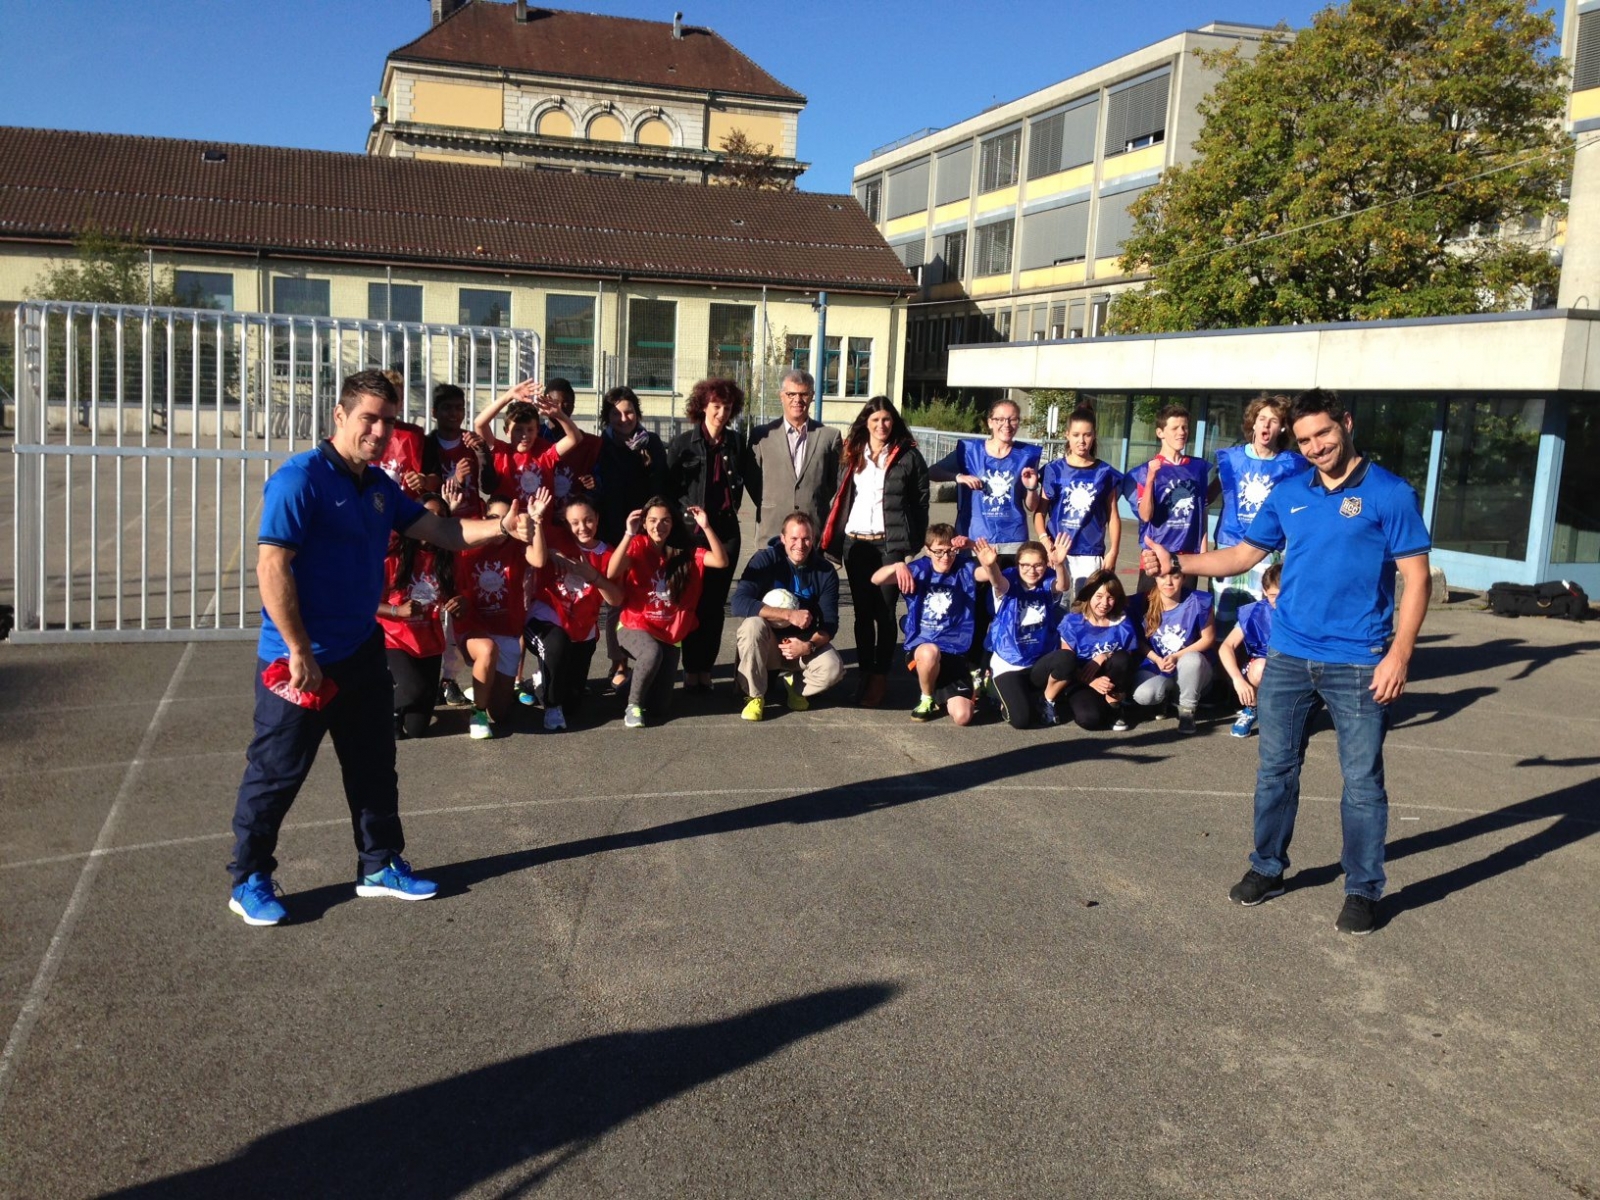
(301, 72)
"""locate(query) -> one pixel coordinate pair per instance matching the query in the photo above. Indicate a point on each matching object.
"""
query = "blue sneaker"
(254, 900)
(1047, 713)
(397, 880)
(1244, 724)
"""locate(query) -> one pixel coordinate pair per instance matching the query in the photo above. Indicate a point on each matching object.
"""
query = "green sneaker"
(796, 701)
(926, 710)
(479, 728)
(633, 717)
(754, 709)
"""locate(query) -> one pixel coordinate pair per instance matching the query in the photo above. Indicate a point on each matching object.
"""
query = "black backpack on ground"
(1557, 598)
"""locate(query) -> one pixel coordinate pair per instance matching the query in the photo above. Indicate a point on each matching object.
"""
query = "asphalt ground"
(837, 953)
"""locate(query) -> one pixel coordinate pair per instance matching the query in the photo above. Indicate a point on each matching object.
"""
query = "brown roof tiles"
(578, 45)
(317, 204)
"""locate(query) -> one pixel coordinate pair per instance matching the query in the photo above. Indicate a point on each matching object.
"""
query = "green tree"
(107, 270)
(1361, 169)
(750, 164)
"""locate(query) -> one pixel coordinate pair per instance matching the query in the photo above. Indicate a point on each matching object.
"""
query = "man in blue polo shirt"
(1344, 527)
(325, 523)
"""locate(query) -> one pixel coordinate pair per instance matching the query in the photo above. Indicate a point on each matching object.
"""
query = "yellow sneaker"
(796, 701)
(754, 709)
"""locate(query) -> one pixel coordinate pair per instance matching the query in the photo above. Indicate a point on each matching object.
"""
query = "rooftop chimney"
(522, 12)
(677, 27)
(443, 8)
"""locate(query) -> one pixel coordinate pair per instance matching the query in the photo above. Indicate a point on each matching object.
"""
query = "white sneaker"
(554, 719)
(478, 728)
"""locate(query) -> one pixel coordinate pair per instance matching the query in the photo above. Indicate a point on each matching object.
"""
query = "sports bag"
(1558, 598)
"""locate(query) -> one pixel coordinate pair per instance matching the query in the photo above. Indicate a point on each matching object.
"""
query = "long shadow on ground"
(443, 1138)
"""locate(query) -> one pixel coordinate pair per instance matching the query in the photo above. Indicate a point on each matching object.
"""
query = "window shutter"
(954, 181)
(1586, 70)
(1077, 134)
(1136, 112)
(1116, 223)
(908, 190)
(1044, 144)
(1055, 235)
(997, 166)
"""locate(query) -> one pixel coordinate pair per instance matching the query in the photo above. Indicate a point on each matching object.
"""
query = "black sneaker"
(1255, 888)
(1359, 916)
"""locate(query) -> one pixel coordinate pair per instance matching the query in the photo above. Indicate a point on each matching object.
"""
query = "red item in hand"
(276, 677)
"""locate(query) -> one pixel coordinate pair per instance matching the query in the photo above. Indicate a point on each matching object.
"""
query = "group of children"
(1042, 627)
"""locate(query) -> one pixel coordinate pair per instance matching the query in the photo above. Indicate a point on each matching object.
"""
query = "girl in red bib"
(569, 582)
(661, 589)
(419, 588)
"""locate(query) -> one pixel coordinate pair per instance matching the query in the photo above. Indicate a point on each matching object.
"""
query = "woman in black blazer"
(879, 516)
(705, 469)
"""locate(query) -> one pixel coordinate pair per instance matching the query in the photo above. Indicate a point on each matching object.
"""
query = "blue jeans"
(1292, 691)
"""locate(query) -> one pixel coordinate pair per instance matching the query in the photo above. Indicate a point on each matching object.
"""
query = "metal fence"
(144, 436)
(936, 443)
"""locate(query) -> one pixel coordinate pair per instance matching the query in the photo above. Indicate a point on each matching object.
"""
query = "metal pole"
(820, 358)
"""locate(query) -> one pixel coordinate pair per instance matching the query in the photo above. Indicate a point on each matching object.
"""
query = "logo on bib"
(1350, 506)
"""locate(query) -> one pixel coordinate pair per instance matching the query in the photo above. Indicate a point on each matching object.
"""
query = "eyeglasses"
(947, 553)
(1004, 421)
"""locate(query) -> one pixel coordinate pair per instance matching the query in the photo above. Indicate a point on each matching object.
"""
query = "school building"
(1493, 418)
(626, 281)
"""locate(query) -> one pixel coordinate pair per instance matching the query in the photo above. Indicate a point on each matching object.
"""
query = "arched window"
(554, 123)
(605, 128)
(654, 132)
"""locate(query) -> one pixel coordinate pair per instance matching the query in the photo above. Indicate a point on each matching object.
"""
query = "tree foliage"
(107, 270)
(751, 164)
(1362, 169)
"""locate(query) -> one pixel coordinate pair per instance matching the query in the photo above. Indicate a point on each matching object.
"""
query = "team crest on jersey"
(1350, 506)
(377, 501)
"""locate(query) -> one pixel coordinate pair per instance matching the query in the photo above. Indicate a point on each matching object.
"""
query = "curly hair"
(1280, 405)
(726, 391)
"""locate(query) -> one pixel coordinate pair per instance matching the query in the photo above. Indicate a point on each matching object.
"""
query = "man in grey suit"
(793, 464)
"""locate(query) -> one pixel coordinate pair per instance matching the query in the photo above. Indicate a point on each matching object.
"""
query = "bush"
(944, 413)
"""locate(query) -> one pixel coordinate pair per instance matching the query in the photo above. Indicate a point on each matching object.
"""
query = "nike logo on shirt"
(1301, 508)
(341, 503)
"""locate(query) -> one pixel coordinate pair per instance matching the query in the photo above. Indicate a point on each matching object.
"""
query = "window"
(480, 307)
(397, 302)
(1396, 432)
(1116, 223)
(955, 254)
(798, 346)
(1039, 311)
(652, 343)
(730, 348)
(869, 194)
(997, 164)
(1136, 115)
(954, 181)
(1058, 321)
(204, 289)
(1057, 235)
(1002, 325)
(908, 189)
(910, 253)
(1491, 451)
(300, 297)
(992, 253)
(1075, 317)
(1577, 532)
(569, 339)
(1063, 139)
(858, 368)
(486, 362)
(1586, 67)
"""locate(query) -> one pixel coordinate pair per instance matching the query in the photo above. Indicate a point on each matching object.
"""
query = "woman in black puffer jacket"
(879, 516)
(706, 469)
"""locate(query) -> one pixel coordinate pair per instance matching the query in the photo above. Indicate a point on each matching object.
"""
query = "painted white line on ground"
(33, 1002)
(30, 712)
(842, 789)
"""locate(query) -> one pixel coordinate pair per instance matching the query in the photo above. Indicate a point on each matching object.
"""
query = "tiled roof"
(312, 203)
(577, 45)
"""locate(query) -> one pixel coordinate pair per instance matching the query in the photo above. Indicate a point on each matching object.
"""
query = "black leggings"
(701, 647)
(565, 662)
(1019, 690)
(874, 604)
(1091, 710)
(416, 691)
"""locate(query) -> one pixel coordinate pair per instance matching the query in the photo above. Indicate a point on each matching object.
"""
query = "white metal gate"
(144, 436)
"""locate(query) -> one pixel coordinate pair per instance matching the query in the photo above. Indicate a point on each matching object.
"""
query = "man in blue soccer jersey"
(1336, 642)
(325, 522)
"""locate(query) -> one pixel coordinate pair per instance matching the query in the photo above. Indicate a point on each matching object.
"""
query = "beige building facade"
(521, 86)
